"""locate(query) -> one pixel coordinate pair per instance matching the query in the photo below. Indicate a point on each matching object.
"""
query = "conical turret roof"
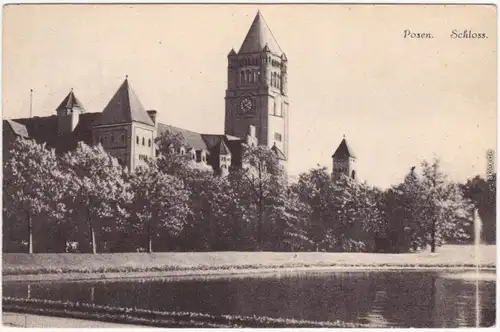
(223, 149)
(343, 151)
(258, 36)
(70, 102)
(124, 107)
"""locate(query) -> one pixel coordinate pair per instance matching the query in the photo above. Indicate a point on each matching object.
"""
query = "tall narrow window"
(143, 141)
(242, 77)
(137, 140)
(149, 142)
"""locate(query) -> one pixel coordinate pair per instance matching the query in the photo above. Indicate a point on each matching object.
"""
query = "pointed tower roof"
(223, 149)
(70, 102)
(343, 151)
(124, 107)
(258, 36)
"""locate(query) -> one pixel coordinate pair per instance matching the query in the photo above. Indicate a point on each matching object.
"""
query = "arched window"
(122, 137)
(353, 174)
(182, 151)
(112, 138)
(279, 81)
(255, 76)
(250, 76)
(247, 76)
(149, 142)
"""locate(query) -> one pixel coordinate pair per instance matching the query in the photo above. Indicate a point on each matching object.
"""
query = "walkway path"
(10, 319)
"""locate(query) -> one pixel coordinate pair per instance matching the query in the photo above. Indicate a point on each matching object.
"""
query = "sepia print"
(257, 165)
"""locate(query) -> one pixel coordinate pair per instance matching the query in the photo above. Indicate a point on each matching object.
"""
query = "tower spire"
(258, 36)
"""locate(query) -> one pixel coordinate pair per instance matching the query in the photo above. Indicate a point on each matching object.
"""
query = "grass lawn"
(446, 256)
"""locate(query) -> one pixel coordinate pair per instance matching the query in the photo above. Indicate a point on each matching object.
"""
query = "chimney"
(152, 115)
(251, 131)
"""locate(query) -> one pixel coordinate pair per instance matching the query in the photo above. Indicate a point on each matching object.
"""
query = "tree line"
(174, 204)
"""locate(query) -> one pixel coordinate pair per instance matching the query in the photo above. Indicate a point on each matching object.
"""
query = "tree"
(316, 190)
(444, 205)
(33, 187)
(101, 191)
(159, 203)
(483, 195)
(260, 184)
(404, 211)
(345, 215)
(170, 161)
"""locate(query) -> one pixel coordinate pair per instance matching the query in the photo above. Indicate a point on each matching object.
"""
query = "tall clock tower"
(256, 92)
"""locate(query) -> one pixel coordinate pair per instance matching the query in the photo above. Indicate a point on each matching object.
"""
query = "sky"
(351, 72)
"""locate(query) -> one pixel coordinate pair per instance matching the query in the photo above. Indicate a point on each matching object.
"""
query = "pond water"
(390, 299)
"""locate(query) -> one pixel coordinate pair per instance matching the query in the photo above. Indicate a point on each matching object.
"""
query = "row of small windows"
(195, 155)
(255, 62)
(104, 138)
(276, 80)
(143, 157)
(138, 141)
(225, 158)
(249, 76)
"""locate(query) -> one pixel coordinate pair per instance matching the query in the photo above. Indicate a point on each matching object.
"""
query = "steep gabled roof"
(71, 102)
(259, 35)
(124, 107)
(18, 128)
(343, 151)
(193, 139)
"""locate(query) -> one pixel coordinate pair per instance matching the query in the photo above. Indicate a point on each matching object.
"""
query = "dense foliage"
(174, 203)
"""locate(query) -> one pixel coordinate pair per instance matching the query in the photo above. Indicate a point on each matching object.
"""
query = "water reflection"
(402, 299)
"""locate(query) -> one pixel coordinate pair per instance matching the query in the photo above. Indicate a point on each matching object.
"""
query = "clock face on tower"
(246, 105)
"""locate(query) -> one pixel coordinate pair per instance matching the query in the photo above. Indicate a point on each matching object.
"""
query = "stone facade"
(256, 92)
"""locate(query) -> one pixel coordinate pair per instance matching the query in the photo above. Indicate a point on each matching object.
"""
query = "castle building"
(256, 112)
